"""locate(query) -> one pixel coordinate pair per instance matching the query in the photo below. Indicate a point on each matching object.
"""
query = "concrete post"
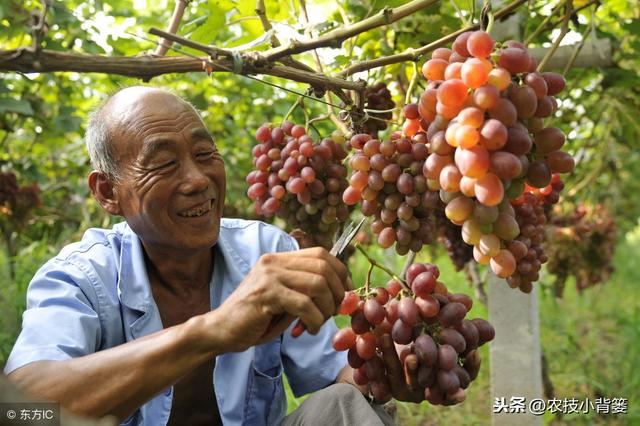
(514, 355)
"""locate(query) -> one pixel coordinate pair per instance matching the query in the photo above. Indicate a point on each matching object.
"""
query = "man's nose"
(194, 179)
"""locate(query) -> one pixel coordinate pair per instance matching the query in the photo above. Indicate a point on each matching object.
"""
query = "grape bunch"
(377, 97)
(550, 194)
(427, 324)
(526, 250)
(299, 180)
(8, 189)
(459, 252)
(387, 180)
(18, 202)
(581, 244)
(485, 112)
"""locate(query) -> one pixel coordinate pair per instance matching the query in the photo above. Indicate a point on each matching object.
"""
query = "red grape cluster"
(427, 324)
(377, 97)
(526, 250)
(387, 179)
(550, 194)
(299, 180)
(8, 189)
(17, 202)
(485, 111)
(581, 244)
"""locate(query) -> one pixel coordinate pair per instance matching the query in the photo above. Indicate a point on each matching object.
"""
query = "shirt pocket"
(266, 402)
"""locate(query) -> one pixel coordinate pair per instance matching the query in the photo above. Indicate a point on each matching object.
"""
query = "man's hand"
(400, 381)
(308, 284)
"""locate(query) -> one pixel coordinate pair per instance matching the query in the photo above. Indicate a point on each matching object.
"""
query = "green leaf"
(207, 32)
(14, 105)
(341, 60)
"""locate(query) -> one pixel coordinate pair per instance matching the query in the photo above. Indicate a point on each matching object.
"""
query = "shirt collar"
(134, 289)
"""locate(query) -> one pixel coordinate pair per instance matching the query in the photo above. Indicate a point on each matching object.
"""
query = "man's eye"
(166, 165)
(205, 154)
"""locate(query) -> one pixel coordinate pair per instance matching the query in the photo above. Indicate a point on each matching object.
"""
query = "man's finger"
(395, 373)
(303, 261)
(336, 284)
(278, 327)
(411, 371)
(313, 285)
(300, 305)
(336, 264)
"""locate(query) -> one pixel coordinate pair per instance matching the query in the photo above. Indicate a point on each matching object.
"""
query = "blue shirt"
(95, 294)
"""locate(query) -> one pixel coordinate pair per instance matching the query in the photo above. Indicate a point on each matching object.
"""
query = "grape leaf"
(14, 105)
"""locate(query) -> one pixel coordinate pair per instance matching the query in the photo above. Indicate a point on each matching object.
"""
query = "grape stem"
(375, 263)
(490, 23)
(412, 83)
(293, 107)
(486, 17)
(367, 283)
(410, 259)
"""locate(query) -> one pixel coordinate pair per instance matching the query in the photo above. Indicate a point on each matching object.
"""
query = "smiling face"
(172, 185)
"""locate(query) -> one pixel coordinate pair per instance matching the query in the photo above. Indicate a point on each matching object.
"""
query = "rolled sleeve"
(310, 362)
(60, 321)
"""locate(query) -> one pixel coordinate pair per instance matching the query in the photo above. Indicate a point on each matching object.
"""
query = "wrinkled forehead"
(134, 106)
(134, 114)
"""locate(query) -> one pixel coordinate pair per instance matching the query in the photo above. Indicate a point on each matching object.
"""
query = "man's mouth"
(197, 211)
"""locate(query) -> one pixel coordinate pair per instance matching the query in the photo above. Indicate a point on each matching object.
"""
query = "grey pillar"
(515, 353)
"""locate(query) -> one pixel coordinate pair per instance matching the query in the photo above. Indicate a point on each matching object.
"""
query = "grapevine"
(581, 244)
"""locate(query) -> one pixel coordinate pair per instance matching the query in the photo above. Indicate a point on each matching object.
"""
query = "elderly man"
(177, 316)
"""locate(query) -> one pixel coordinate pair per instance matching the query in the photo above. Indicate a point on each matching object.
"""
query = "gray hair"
(98, 140)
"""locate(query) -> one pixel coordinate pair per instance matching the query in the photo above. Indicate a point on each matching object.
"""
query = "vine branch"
(178, 12)
(331, 114)
(248, 59)
(476, 281)
(261, 11)
(26, 61)
(563, 32)
(335, 37)
(576, 51)
(416, 54)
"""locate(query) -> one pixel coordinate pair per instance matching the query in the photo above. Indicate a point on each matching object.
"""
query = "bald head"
(117, 118)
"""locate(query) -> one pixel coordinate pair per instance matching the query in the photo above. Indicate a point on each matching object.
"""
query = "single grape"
(344, 339)
(447, 357)
(426, 350)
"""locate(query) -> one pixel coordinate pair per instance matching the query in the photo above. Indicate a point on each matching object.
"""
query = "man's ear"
(103, 190)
